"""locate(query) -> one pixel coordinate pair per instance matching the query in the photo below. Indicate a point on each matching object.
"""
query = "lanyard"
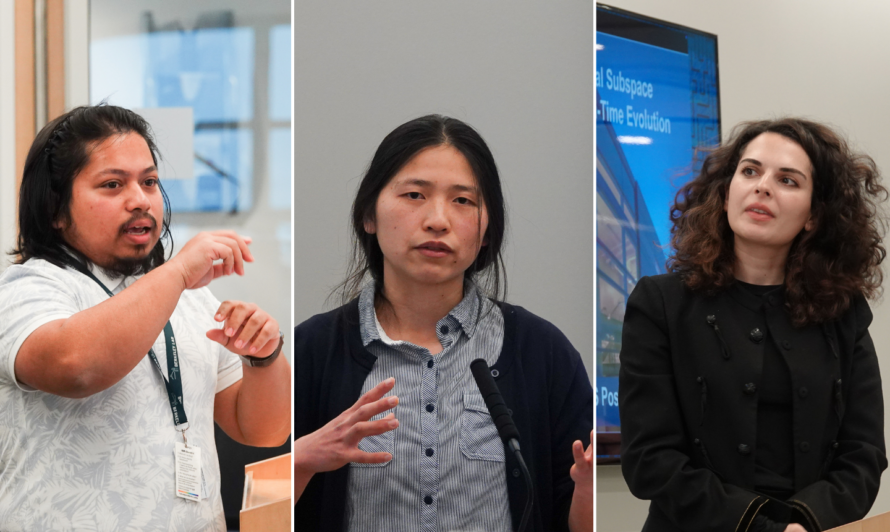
(173, 382)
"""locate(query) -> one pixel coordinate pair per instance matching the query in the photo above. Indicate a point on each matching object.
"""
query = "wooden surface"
(55, 58)
(878, 523)
(25, 119)
(267, 495)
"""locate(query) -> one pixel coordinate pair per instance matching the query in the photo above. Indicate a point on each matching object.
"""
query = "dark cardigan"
(540, 375)
(690, 367)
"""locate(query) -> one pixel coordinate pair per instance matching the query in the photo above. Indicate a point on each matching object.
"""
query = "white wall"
(818, 59)
(519, 72)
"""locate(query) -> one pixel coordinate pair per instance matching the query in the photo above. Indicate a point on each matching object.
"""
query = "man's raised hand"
(196, 259)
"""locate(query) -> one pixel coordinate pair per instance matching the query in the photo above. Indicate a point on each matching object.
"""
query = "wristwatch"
(256, 362)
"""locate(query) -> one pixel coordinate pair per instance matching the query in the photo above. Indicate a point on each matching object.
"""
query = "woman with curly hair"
(749, 390)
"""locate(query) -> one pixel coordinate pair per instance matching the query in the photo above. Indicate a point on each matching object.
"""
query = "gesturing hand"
(336, 444)
(582, 470)
(196, 259)
(581, 509)
(249, 330)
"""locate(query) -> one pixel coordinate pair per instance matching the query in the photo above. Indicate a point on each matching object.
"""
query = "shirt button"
(756, 335)
(803, 392)
(429, 408)
(444, 329)
(429, 452)
(804, 447)
(428, 499)
(773, 300)
(429, 364)
(744, 449)
(786, 344)
(750, 388)
(495, 373)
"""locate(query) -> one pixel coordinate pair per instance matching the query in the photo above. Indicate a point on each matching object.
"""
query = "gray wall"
(519, 72)
(816, 59)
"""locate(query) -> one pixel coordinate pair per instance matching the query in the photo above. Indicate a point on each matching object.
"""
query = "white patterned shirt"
(105, 462)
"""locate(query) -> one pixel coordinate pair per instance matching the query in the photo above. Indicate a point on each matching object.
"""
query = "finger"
(375, 393)
(372, 428)
(266, 340)
(224, 252)
(218, 336)
(225, 308)
(362, 457)
(250, 328)
(238, 245)
(578, 455)
(245, 251)
(366, 412)
(238, 318)
(219, 270)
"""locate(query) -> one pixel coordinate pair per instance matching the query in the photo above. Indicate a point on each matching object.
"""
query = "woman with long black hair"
(749, 392)
(392, 432)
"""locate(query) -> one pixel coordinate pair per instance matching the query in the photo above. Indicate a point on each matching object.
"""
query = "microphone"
(497, 408)
(503, 420)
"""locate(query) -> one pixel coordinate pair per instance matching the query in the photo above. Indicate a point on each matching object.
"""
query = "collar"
(466, 313)
(117, 284)
(771, 299)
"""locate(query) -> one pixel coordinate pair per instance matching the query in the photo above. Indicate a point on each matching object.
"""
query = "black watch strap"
(255, 362)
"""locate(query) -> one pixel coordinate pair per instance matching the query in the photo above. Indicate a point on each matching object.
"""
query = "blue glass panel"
(279, 168)
(228, 150)
(280, 64)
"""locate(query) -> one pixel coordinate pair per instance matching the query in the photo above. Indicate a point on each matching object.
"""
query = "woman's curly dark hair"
(827, 266)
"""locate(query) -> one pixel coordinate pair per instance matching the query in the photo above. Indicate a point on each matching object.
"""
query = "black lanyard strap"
(173, 381)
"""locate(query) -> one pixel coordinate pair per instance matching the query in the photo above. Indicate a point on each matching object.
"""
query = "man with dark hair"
(94, 434)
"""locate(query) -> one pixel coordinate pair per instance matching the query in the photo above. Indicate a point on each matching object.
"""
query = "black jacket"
(540, 375)
(688, 402)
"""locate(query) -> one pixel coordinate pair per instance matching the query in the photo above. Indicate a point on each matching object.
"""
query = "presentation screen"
(657, 104)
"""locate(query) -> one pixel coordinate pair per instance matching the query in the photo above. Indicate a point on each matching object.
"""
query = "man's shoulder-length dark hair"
(394, 152)
(827, 266)
(59, 152)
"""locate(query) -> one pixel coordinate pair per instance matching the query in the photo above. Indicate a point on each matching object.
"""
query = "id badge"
(189, 477)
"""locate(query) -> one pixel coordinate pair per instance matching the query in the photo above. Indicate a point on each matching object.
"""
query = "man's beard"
(126, 267)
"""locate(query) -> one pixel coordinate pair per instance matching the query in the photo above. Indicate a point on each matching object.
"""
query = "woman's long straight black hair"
(399, 147)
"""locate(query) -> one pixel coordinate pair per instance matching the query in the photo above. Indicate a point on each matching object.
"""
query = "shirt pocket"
(479, 439)
(375, 444)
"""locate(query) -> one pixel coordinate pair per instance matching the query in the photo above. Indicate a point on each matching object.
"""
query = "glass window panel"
(611, 300)
(280, 73)
(607, 266)
(225, 186)
(630, 248)
(210, 70)
(279, 168)
(608, 229)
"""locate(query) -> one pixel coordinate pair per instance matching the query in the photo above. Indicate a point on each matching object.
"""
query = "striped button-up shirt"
(447, 471)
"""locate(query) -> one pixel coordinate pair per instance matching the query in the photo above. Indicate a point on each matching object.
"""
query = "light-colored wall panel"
(519, 72)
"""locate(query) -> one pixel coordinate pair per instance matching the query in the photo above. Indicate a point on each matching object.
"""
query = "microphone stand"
(503, 420)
